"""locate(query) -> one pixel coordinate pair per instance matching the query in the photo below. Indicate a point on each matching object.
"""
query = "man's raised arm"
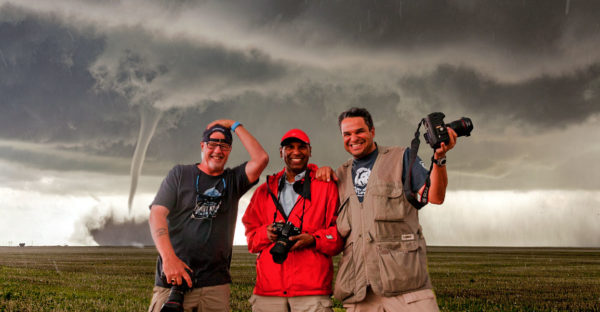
(439, 176)
(258, 157)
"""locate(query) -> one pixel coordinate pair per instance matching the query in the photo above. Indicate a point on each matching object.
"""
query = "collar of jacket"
(274, 183)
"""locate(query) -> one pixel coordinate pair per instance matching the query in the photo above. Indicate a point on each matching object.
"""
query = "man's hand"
(271, 233)
(303, 240)
(258, 157)
(326, 174)
(176, 271)
(227, 123)
(441, 151)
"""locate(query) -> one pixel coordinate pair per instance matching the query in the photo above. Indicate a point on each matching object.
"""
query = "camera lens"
(280, 251)
(175, 301)
(462, 127)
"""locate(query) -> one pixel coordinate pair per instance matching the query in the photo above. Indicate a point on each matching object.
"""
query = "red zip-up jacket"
(307, 271)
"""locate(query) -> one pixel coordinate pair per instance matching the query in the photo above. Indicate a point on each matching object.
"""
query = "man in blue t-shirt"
(193, 217)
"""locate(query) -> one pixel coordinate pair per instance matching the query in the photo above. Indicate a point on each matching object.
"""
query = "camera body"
(437, 131)
(174, 302)
(282, 246)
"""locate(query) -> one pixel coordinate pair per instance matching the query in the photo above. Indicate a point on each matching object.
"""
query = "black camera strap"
(305, 194)
(278, 205)
(413, 198)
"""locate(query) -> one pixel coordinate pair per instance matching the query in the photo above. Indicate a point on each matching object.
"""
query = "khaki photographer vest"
(385, 248)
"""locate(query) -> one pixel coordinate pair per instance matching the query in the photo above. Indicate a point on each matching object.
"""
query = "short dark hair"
(357, 112)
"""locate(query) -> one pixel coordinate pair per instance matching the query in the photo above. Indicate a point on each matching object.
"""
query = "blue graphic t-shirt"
(361, 170)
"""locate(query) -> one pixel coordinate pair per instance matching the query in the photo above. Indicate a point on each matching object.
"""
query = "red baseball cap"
(295, 134)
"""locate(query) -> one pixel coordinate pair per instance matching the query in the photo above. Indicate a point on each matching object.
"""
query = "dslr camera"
(282, 246)
(175, 301)
(437, 132)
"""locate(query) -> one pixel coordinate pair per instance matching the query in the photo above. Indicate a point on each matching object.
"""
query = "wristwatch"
(440, 162)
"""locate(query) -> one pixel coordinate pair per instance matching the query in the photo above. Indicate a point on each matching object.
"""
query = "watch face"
(441, 161)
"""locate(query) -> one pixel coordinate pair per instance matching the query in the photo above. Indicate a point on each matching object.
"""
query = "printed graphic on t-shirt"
(207, 204)
(360, 181)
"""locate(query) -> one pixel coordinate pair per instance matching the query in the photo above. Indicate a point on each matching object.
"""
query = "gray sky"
(76, 77)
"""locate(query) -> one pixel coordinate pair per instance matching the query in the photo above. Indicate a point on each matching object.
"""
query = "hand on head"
(227, 123)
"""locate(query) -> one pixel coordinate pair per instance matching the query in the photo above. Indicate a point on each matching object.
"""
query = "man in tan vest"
(384, 263)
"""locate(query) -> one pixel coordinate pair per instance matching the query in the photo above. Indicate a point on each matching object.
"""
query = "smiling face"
(358, 139)
(214, 157)
(295, 155)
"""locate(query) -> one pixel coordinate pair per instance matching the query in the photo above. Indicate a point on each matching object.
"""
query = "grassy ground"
(465, 279)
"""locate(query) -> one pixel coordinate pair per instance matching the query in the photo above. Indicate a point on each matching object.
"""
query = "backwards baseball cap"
(295, 135)
(217, 128)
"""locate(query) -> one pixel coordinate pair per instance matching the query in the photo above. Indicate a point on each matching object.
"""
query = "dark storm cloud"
(78, 84)
(58, 89)
(521, 26)
(542, 102)
(45, 82)
(140, 63)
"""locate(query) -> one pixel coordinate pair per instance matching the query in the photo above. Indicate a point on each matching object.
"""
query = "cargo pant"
(417, 301)
(203, 299)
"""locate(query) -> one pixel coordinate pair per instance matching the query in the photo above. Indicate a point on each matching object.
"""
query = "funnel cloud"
(149, 119)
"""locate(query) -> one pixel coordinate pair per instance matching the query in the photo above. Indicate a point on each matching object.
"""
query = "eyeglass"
(213, 145)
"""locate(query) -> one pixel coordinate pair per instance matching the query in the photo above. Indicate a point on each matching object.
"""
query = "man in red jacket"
(299, 280)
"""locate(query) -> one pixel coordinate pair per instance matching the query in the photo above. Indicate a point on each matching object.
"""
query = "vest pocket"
(400, 266)
(387, 202)
(392, 231)
(343, 219)
(345, 278)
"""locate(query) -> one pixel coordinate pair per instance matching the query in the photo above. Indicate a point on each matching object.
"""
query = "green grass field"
(465, 279)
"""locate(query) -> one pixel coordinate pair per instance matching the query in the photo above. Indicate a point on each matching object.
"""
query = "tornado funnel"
(149, 119)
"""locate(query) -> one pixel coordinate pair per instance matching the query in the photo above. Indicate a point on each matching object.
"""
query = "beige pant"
(203, 299)
(417, 301)
(291, 304)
